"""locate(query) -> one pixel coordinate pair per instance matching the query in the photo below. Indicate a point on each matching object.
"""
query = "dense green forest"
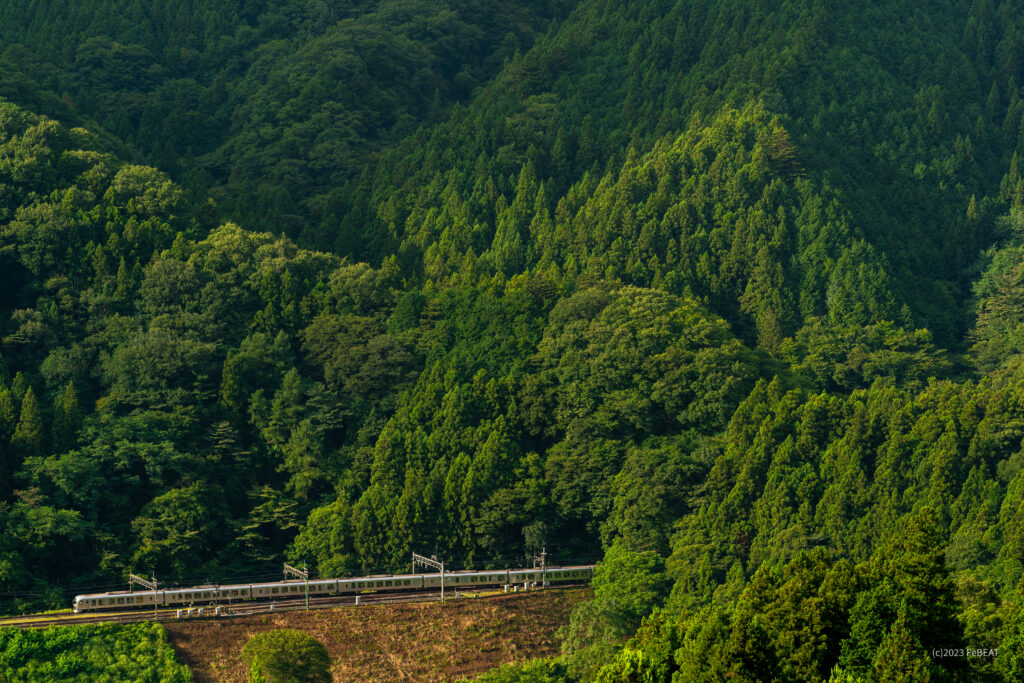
(726, 295)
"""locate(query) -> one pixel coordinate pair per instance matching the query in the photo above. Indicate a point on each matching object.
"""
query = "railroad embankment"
(400, 642)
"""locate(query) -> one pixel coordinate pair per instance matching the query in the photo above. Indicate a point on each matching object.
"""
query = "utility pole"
(150, 584)
(430, 562)
(542, 558)
(299, 574)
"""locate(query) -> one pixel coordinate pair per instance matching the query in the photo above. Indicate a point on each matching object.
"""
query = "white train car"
(283, 590)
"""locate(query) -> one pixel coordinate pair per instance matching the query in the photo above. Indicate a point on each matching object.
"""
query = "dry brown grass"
(412, 642)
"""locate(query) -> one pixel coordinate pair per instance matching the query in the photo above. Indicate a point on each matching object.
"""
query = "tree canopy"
(724, 295)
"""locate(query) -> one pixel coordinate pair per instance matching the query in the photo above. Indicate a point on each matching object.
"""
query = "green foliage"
(172, 530)
(629, 666)
(674, 279)
(102, 653)
(287, 656)
(270, 105)
(627, 586)
(537, 671)
(839, 359)
(256, 674)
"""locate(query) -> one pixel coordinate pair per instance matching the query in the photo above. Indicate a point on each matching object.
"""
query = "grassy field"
(412, 642)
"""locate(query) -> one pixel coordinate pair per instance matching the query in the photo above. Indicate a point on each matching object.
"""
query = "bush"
(104, 653)
(287, 656)
(539, 671)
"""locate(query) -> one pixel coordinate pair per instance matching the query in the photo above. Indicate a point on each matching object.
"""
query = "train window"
(138, 600)
(407, 582)
(273, 590)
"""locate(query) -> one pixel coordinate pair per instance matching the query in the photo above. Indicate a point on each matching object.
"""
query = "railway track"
(227, 611)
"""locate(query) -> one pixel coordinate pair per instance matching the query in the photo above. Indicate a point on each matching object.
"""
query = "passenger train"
(202, 595)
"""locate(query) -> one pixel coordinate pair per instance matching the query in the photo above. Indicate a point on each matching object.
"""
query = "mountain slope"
(725, 292)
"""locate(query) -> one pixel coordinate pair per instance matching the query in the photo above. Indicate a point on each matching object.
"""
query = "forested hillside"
(725, 293)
